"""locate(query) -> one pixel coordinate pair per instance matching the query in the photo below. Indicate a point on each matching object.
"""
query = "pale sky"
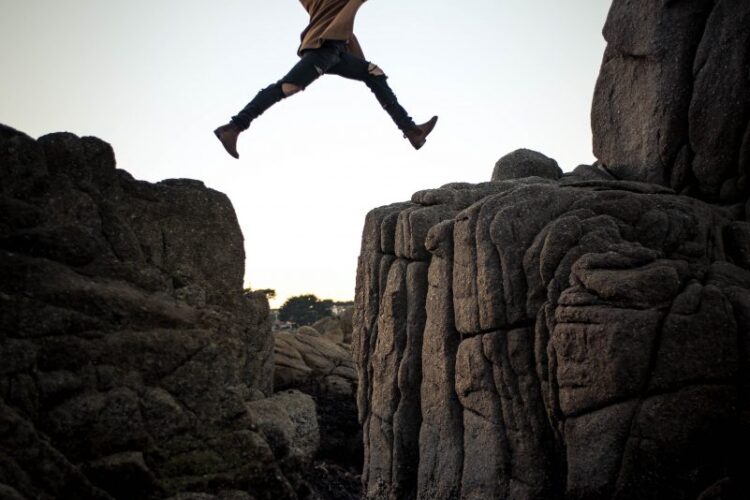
(155, 77)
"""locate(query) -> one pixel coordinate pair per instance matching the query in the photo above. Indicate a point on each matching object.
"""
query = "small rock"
(526, 163)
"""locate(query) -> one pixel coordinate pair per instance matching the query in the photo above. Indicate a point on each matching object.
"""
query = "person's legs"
(330, 58)
(309, 68)
(355, 68)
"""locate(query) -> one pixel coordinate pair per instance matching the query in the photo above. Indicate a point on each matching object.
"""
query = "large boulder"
(524, 163)
(288, 421)
(337, 328)
(325, 370)
(672, 103)
(531, 338)
(133, 364)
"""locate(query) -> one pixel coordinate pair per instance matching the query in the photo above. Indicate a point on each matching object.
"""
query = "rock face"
(672, 104)
(338, 329)
(315, 365)
(553, 339)
(316, 361)
(306, 360)
(584, 336)
(133, 365)
(526, 163)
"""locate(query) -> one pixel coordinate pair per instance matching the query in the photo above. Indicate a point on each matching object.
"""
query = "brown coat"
(331, 20)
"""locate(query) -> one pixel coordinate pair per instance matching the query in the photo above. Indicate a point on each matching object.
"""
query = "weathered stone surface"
(524, 163)
(672, 103)
(30, 467)
(133, 364)
(387, 355)
(303, 360)
(441, 433)
(596, 171)
(288, 422)
(324, 370)
(569, 328)
(338, 329)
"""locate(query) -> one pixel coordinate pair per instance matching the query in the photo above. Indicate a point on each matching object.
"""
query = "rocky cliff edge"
(582, 335)
(133, 364)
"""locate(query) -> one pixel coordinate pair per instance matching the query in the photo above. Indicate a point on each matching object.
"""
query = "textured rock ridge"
(672, 104)
(553, 339)
(308, 360)
(582, 335)
(325, 370)
(133, 364)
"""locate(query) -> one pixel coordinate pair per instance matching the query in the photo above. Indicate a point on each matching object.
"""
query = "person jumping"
(328, 47)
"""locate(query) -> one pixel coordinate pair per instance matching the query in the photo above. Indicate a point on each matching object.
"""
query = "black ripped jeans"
(331, 58)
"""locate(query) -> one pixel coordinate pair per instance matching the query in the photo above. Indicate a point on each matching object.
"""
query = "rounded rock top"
(523, 163)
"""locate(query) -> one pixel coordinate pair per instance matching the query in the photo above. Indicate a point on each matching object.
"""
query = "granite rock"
(672, 103)
(564, 340)
(133, 363)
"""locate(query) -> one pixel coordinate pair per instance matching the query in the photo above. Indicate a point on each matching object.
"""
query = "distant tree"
(305, 309)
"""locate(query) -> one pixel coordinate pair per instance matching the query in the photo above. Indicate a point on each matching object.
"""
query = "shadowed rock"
(672, 103)
(324, 369)
(133, 364)
(525, 163)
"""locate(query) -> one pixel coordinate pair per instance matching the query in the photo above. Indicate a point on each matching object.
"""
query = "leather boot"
(228, 134)
(418, 136)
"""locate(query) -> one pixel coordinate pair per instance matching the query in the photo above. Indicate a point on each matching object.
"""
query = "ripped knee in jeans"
(289, 89)
(374, 70)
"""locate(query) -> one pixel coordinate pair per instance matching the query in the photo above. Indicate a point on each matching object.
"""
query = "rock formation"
(309, 361)
(133, 365)
(672, 104)
(582, 335)
(337, 328)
